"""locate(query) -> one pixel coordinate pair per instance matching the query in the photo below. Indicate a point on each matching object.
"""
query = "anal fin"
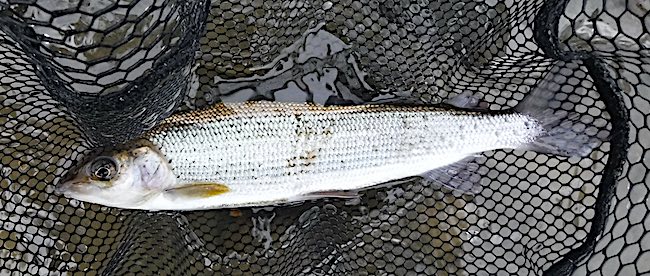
(463, 176)
(329, 194)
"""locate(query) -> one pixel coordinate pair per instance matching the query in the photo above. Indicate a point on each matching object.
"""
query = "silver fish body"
(262, 153)
(276, 152)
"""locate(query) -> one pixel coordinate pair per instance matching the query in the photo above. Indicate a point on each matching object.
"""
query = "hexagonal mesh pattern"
(76, 74)
(109, 58)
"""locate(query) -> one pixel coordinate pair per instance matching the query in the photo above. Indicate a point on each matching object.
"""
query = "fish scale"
(296, 149)
(262, 153)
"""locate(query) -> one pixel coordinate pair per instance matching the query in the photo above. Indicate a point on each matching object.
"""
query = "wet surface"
(533, 210)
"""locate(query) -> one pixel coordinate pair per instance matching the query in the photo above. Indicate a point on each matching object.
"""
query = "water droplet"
(5, 171)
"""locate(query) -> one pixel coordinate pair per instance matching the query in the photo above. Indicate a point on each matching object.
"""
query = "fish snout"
(68, 182)
(61, 187)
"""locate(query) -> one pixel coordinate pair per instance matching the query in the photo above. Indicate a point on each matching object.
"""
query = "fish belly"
(276, 152)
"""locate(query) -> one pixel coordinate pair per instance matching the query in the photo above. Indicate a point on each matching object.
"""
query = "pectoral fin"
(467, 100)
(198, 190)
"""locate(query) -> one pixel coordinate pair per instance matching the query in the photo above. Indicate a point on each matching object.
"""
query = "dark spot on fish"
(309, 158)
(292, 162)
(328, 131)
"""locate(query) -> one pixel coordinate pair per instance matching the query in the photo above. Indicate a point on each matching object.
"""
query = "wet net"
(77, 74)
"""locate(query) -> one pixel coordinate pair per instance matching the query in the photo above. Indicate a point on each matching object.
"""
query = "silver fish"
(262, 153)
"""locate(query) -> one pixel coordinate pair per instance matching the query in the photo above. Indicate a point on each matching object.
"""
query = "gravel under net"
(75, 75)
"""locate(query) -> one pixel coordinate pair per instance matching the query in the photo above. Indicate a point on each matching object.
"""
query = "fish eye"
(103, 168)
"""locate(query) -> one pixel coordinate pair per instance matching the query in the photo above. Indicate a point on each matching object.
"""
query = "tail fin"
(567, 133)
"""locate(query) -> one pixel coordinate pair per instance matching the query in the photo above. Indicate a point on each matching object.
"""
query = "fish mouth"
(59, 189)
(64, 187)
(71, 183)
(76, 190)
(64, 183)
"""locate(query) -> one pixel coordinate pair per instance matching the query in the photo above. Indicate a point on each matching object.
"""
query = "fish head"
(124, 177)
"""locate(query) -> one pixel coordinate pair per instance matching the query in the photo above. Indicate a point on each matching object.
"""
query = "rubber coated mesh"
(79, 74)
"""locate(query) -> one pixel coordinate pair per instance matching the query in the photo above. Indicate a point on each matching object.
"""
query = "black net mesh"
(105, 60)
(78, 74)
